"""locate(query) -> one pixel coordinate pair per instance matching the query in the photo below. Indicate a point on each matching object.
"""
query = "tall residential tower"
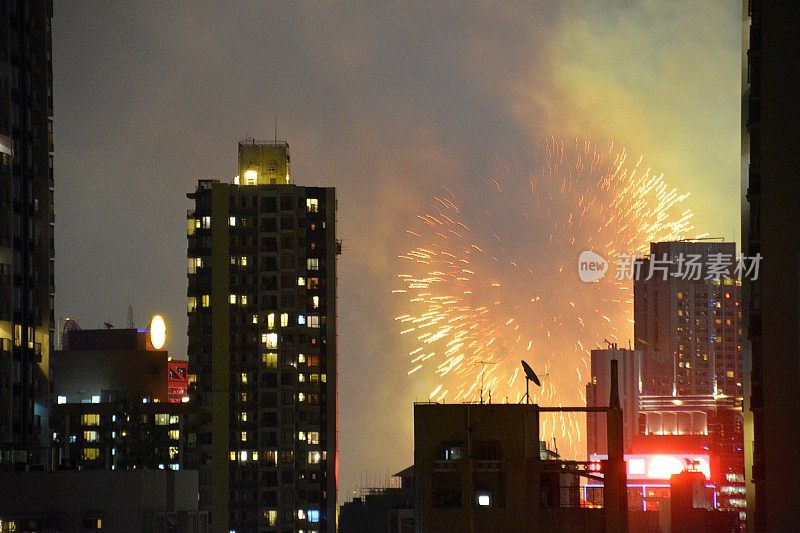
(770, 226)
(262, 346)
(26, 229)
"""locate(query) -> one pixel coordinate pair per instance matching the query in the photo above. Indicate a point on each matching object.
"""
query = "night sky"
(387, 103)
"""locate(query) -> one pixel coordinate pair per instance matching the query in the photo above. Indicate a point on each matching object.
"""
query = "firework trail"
(492, 277)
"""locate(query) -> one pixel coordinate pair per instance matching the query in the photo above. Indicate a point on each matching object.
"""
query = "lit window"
(191, 304)
(312, 204)
(313, 321)
(313, 378)
(301, 320)
(244, 378)
(271, 321)
(270, 340)
(232, 298)
(205, 300)
(271, 457)
(90, 420)
(205, 222)
(270, 359)
(313, 515)
(314, 458)
(313, 283)
(301, 514)
(62, 399)
(313, 437)
(243, 416)
(271, 517)
(301, 358)
(243, 456)
(483, 498)
(301, 436)
(243, 261)
(191, 266)
(243, 299)
(255, 456)
(284, 319)
(301, 378)
(244, 436)
(162, 419)
(301, 281)
(96, 399)
(233, 456)
(191, 226)
(301, 397)
(315, 302)
(232, 221)
(174, 434)
(255, 319)
(312, 263)
(90, 436)
(173, 452)
(90, 454)
(323, 378)
(174, 419)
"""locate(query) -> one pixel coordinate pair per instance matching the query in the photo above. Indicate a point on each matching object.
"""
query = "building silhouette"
(262, 346)
(26, 229)
(770, 225)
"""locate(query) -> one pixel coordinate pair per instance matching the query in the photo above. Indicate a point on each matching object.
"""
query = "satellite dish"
(530, 374)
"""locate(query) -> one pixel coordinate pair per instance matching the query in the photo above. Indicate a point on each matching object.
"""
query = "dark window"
(269, 204)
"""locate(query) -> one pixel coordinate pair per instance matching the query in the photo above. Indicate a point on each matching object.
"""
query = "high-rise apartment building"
(695, 322)
(262, 346)
(770, 225)
(687, 312)
(26, 229)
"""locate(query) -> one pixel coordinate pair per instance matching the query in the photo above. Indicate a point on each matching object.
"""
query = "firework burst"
(492, 277)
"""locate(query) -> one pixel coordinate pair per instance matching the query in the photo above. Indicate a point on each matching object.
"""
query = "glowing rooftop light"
(158, 332)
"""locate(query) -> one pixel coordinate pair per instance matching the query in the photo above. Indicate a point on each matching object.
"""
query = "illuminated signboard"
(661, 466)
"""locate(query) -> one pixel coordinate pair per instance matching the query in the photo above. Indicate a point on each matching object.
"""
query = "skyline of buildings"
(261, 302)
(262, 346)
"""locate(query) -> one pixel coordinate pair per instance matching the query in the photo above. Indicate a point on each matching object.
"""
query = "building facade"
(688, 326)
(262, 346)
(113, 409)
(482, 467)
(692, 320)
(770, 223)
(26, 229)
(147, 501)
(597, 395)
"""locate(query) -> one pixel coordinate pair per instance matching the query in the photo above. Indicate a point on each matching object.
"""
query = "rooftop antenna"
(530, 375)
(483, 368)
(276, 128)
(131, 325)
